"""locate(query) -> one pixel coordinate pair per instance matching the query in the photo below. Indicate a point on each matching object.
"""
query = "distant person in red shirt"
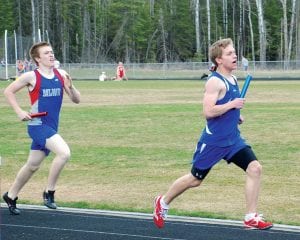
(121, 74)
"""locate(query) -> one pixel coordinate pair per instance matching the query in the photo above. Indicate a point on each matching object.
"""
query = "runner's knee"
(194, 182)
(65, 155)
(254, 169)
(32, 167)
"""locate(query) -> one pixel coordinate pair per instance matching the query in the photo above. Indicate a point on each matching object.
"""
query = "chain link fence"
(152, 71)
(141, 71)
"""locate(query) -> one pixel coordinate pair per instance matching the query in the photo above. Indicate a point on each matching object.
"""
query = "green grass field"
(131, 140)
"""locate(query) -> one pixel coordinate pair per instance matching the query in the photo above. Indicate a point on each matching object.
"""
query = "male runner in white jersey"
(46, 86)
(220, 139)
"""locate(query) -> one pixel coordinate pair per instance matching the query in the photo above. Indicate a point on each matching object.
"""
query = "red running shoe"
(159, 214)
(257, 222)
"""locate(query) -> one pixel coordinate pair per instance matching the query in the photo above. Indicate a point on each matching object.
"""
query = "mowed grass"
(131, 140)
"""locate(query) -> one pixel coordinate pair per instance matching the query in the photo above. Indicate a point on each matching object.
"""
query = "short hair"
(34, 50)
(215, 50)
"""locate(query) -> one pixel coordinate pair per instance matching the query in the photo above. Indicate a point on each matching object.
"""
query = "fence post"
(5, 46)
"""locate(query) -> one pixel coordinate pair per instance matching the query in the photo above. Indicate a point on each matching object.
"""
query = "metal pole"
(16, 52)
(39, 34)
(5, 41)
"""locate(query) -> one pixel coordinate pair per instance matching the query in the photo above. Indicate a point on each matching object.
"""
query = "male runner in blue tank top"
(46, 86)
(220, 139)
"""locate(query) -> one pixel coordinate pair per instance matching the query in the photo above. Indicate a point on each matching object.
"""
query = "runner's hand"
(24, 116)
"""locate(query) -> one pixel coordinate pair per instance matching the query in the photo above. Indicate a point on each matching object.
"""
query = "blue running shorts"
(206, 156)
(39, 134)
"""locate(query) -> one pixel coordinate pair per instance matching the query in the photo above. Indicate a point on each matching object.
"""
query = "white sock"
(249, 216)
(163, 204)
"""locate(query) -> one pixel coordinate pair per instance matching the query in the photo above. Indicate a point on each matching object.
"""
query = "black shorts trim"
(200, 174)
(243, 158)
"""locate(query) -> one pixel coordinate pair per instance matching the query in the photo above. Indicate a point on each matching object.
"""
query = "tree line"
(142, 31)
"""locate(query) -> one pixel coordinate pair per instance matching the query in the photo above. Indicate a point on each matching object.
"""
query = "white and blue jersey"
(46, 96)
(220, 139)
(223, 130)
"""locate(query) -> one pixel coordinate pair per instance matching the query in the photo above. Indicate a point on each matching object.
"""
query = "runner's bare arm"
(69, 87)
(25, 80)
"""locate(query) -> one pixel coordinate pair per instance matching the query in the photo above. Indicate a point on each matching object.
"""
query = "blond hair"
(215, 50)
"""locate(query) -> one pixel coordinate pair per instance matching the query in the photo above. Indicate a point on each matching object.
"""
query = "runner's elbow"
(208, 114)
(76, 99)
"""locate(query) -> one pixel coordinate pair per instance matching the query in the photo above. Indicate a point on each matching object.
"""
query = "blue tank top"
(47, 96)
(223, 130)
